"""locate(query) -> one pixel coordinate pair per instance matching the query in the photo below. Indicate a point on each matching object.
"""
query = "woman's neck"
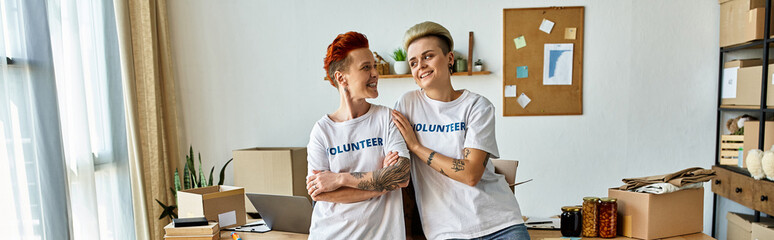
(444, 93)
(350, 108)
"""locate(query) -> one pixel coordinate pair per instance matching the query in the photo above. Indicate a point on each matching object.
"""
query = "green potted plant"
(478, 65)
(401, 66)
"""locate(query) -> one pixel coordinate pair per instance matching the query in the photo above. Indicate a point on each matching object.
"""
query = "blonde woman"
(451, 135)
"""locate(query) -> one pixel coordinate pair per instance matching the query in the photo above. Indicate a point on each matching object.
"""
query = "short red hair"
(336, 57)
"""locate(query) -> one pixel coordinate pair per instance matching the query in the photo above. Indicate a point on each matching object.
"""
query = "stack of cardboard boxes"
(742, 21)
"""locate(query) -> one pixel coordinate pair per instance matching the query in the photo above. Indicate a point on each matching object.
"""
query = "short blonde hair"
(429, 28)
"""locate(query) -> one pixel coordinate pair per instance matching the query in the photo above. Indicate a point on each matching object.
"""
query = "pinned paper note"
(557, 64)
(520, 42)
(523, 100)
(546, 26)
(569, 33)
(522, 72)
(510, 90)
(729, 83)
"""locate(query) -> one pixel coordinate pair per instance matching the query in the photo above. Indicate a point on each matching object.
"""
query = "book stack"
(211, 231)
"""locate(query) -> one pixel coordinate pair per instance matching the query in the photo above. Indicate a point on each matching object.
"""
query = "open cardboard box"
(280, 171)
(224, 204)
(762, 231)
(653, 216)
(740, 226)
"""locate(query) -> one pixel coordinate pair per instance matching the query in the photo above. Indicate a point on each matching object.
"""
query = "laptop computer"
(283, 213)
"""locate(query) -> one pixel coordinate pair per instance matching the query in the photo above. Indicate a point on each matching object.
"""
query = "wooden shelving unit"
(453, 74)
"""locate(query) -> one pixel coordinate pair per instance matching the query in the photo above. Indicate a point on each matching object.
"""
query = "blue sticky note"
(522, 72)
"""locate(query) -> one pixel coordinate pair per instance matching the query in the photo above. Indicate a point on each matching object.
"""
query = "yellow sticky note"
(520, 42)
(569, 33)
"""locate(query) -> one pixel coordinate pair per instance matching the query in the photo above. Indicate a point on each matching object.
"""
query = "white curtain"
(32, 178)
(81, 42)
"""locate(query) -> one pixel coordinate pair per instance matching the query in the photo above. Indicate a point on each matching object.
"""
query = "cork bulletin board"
(535, 39)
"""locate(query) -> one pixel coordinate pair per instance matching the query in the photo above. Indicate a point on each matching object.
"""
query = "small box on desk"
(223, 204)
(210, 231)
(280, 171)
(652, 216)
(740, 226)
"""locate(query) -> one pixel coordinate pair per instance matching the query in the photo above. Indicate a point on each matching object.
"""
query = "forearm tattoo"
(430, 158)
(357, 175)
(444, 173)
(387, 179)
(458, 165)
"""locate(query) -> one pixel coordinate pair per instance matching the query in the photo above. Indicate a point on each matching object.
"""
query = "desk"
(541, 234)
(534, 234)
(226, 235)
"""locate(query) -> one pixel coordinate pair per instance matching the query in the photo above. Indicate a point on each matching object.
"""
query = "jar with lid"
(571, 221)
(590, 213)
(608, 217)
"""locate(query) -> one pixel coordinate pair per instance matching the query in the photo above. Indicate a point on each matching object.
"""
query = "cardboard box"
(280, 171)
(748, 82)
(748, 89)
(652, 216)
(751, 137)
(223, 204)
(762, 230)
(210, 229)
(741, 21)
(740, 226)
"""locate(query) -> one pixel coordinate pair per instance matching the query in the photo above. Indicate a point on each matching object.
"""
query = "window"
(62, 112)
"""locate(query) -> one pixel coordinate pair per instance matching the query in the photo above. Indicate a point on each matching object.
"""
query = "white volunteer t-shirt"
(448, 208)
(357, 145)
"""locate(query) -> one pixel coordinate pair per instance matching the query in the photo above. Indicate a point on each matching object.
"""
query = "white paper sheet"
(510, 90)
(546, 26)
(227, 218)
(557, 64)
(729, 82)
(523, 100)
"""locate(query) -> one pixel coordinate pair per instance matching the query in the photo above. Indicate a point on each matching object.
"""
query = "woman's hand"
(322, 181)
(406, 130)
(390, 159)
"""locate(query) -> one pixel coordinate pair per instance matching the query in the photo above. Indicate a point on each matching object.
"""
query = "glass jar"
(590, 213)
(571, 221)
(608, 217)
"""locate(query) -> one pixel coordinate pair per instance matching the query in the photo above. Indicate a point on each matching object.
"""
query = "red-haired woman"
(451, 135)
(357, 158)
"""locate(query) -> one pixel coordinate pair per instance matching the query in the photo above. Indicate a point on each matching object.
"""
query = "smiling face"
(429, 65)
(360, 77)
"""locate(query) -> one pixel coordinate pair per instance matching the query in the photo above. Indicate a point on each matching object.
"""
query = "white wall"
(250, 74)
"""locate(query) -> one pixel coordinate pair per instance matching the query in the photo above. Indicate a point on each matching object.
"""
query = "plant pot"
(461, 65)
(478, 68)
(401, 67)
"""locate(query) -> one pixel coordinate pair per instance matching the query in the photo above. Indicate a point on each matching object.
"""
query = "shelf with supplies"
(738, 33)
(453, 74)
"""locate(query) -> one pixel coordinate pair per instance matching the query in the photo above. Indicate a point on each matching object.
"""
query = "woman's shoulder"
(477, 100)
(410, 95)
